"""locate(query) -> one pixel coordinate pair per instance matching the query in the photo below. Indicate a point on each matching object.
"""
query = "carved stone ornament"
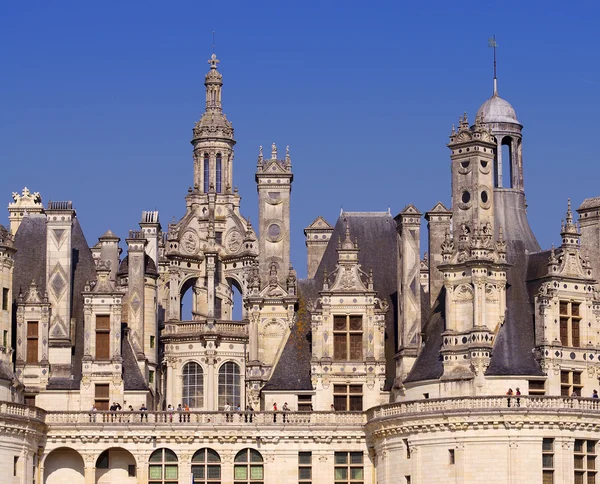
(190, 242)
(234, 241)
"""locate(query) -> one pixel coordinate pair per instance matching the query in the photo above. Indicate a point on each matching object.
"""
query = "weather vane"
(493, 44)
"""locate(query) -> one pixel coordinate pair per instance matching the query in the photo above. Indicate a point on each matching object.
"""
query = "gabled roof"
(319, 223)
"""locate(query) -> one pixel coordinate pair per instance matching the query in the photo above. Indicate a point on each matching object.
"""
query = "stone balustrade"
(22, 411)
(236, 328)
(208, 418)
(522, 403)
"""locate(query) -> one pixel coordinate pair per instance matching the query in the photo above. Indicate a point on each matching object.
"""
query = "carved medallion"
(234, 241)
(190, 242)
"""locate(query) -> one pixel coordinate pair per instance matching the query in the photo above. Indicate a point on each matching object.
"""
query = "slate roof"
(30, 264)
(149, 266)
(132, 376)
(377, 241)
(512, 353)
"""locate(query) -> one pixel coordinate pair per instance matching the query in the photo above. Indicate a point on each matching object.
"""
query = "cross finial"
(213, 61)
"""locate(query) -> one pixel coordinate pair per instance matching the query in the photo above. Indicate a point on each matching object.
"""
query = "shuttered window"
(102, 337)
(102, 394)
(32, 341)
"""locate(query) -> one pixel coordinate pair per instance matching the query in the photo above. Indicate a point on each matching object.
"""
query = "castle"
(382, 366)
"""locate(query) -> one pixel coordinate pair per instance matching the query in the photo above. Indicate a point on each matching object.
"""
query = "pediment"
(319, 223)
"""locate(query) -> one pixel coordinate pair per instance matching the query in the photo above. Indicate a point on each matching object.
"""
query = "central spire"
(214, 84)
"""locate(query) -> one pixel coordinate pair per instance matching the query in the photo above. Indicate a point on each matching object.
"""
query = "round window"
(465, 164)
(484, 197)
(466, 197)
(274, 231)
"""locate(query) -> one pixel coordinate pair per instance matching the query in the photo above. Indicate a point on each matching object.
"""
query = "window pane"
(355, 389)
(356, 346)
(564, 307)
(575, 309)
(256, 472)
(170, 456)
(339, 346)
(170, 472)
(340, 403)
(242, 456)
(198, 472)
(576, 378)
(341, 458)
(255, 456)
(356, 457)
(579, 462)
(214, 472)
(548, 477)
(341, 473)
(548, 461)
(240, 472)
(578, 446)
(547, 444)
(356, 473)
(305, 458)
(155, 472)
(356, 404)
(212, 456)
(355, 323)
(591, 446)
(304, 473)
(339, 323)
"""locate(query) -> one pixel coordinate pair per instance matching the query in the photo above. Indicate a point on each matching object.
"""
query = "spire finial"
(493, 44)
(273, 151)
(213, 61)
(213, 44)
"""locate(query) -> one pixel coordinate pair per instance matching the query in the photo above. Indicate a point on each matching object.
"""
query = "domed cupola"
(501, 118)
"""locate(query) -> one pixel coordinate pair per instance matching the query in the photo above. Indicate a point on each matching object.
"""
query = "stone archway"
(116, 466)
(64, 465)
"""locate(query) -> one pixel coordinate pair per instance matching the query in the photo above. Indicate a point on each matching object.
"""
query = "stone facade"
(384, 365)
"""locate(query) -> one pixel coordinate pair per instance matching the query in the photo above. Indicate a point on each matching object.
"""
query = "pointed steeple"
(569, 230)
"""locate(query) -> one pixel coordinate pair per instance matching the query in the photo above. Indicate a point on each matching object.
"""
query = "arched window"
(248, 467)
(193, 385)
(206, 173)
(162, 467)
(229, 385)
(219, 172)
(206, 467)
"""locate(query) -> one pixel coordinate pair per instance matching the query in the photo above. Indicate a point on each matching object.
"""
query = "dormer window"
(347, 338)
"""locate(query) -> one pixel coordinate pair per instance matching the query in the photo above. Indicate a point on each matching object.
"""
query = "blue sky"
(98, 100)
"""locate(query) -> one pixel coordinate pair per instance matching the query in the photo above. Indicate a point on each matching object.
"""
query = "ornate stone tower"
(472, 155)
(274, 182)
(474, 265)
(213, 140)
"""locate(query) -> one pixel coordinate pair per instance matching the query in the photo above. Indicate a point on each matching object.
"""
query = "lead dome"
(497, 110)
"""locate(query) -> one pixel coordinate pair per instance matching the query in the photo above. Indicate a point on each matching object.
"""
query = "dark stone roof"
(149, 266)
(377, 241)
(132, 376)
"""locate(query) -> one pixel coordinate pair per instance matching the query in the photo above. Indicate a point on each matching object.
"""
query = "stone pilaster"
(438, 219)
(409, 335)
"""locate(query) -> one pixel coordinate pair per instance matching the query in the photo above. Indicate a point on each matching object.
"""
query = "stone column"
(210, 402)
